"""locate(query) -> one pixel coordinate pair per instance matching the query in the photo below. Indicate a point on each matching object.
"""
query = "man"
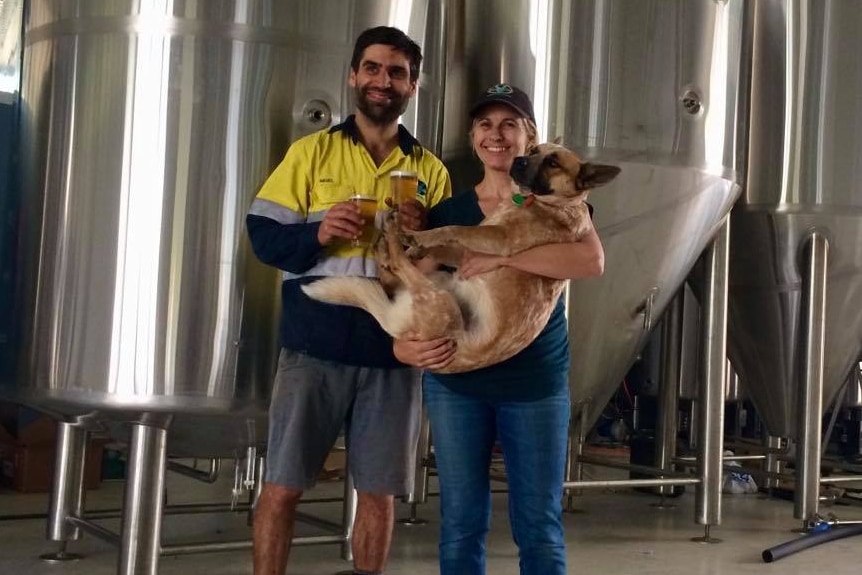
(336, 367)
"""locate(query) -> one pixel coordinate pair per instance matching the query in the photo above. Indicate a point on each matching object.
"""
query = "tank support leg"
(575, 448)
(710, 444)
(67, 496)
(419, 493)
(254, 494)
(140, 540)
(806, 498)
(668, 391)
(348, 513)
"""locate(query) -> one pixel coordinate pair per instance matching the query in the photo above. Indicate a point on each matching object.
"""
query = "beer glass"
(368, 211)
(404, 186)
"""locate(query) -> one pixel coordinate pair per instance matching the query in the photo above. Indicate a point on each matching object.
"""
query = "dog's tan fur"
(490, 316)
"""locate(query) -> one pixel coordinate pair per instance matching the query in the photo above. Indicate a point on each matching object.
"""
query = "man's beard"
(381, 114)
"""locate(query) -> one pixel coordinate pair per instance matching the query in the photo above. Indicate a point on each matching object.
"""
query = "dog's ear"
(594, 175)
(558, 140)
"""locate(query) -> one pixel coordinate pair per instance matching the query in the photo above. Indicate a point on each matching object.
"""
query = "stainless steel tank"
(803, 175)
(651, 86)
(147, 129)
(655, 87)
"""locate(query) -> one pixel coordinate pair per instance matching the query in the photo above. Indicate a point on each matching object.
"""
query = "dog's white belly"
(496, 330)
(476, 299)
(401, 314)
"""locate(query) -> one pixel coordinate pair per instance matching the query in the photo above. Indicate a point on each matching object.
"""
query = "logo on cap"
(500, 90)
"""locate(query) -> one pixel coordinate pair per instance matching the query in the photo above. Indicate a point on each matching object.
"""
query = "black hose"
(810, 540)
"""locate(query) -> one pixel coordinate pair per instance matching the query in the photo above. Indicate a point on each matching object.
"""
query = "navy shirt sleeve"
(289, 247)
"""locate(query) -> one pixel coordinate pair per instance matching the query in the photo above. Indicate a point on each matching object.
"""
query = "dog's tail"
(357, 292)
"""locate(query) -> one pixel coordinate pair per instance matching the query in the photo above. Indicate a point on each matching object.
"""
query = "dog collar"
(523, 200)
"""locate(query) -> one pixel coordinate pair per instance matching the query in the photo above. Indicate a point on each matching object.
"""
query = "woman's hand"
(428, 354)
(474, 263)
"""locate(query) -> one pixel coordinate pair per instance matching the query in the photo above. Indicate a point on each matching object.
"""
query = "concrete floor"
(611, 533)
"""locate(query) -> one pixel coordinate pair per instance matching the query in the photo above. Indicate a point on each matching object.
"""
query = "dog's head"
(552, 169)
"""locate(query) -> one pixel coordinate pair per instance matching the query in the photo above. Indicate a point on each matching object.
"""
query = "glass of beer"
(368, 210)
(404, 186)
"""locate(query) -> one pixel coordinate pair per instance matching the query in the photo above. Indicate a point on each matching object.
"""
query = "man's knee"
(279, 497)
(377, 502)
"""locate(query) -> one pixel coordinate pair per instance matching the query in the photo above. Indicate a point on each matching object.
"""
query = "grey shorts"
(313, 400)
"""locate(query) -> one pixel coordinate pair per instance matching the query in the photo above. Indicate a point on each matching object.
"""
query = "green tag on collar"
(522, 200)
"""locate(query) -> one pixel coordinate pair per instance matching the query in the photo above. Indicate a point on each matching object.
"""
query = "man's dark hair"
(388, 36)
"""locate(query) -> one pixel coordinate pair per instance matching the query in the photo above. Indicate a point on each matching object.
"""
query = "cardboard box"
(27, 426)
(27, 460)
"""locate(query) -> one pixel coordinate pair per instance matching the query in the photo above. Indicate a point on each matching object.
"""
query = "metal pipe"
(575, 449)
(773, 463)
(753, 457)
(630, 482)
(254, 495)
(694, 423)
(142, 510)
(114, 538)
(249, 477)
(713, 376)
(184, 509)
(841, 479)
(96, 530)
(439, 72)
(810, 403)
(173, 550)
(67, 496)
(669, 387)
(689, 461)
(210, 476)
(645, 469)
(419, 493)
(348, 515)
(99, 514)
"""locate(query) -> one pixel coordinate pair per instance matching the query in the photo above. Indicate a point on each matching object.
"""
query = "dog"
(494, 315)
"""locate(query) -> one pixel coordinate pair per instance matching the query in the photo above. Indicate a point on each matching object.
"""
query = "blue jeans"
(533, 437)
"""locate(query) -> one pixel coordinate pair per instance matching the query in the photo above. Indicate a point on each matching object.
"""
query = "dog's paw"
(390, 219)
(408, 238)
(416, 252)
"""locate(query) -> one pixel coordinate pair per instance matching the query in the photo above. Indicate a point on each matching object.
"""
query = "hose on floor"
(810, 540)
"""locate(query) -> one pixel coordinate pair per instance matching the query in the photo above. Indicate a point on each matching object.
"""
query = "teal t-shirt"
(526, 375)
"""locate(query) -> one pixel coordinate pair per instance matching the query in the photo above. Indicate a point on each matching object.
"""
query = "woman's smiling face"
(499, 135)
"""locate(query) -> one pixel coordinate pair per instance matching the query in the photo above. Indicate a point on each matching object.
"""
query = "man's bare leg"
(274, 516)
(372, 531)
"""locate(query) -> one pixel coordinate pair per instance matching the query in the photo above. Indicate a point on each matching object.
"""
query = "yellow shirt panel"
(324, 168)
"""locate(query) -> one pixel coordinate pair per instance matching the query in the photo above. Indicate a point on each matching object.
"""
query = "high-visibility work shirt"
(319, 171)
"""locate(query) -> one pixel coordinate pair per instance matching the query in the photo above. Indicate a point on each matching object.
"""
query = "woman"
(523, 402)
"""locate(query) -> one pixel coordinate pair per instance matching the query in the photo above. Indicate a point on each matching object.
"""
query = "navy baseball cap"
(507, 94)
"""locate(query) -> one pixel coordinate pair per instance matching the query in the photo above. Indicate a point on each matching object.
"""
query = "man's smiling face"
(382, 84)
